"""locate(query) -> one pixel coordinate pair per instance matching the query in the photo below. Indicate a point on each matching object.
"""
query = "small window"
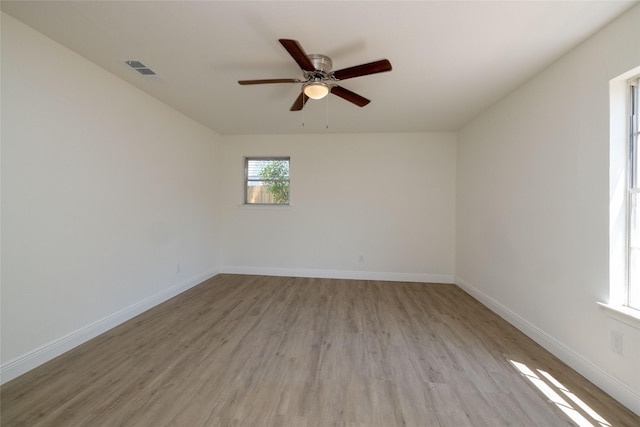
(266, 180)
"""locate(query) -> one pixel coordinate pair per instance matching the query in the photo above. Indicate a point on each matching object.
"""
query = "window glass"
(266, 180)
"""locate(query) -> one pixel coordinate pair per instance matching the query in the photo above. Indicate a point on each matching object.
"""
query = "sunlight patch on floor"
(579, 412)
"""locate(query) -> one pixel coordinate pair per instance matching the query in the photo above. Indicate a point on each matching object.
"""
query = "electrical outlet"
(617, 342)
(360, 258)
(178, 268)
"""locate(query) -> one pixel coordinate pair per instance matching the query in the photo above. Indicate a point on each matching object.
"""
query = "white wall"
(104, 191)
(533, 209)
(387, 197)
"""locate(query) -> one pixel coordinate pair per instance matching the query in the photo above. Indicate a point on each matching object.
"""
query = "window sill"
(622, 313)
(256, 206)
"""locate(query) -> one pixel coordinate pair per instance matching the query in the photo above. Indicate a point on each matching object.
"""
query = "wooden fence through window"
(259, 194)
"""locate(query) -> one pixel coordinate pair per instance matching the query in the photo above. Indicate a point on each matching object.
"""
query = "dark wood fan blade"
(299, 103)
(259, 82)
(297, 53)
(346, 94)
(364, 69)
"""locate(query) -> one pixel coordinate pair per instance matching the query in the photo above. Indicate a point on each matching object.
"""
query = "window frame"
(633, 186)
(247, 179)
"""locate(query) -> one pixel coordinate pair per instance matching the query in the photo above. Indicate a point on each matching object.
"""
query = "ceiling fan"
(319, 80)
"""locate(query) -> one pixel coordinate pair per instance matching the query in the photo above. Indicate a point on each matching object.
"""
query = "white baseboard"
(37, 357)
(338, 274)
(610, 384)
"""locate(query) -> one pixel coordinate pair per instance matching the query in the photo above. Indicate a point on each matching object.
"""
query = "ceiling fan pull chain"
(327, 122)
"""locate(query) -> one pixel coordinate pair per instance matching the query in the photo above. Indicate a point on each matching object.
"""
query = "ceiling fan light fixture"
(316, 90)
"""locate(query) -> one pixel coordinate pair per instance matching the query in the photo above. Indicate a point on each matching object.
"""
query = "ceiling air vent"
(140, 68)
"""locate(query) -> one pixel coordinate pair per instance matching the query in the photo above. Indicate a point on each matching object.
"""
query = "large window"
(266, 180)
(633, 202)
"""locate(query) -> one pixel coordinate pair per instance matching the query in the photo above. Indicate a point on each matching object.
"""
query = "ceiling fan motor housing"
(321, 62)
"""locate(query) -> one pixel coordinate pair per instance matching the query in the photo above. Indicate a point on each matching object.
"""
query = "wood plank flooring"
(275, 351)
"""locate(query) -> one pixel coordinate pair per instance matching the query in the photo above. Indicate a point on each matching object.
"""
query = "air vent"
(140, 68)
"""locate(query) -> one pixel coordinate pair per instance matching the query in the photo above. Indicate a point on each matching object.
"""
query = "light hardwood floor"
(274, 351)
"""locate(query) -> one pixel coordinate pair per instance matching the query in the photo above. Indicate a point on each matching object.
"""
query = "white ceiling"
(451, 59)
